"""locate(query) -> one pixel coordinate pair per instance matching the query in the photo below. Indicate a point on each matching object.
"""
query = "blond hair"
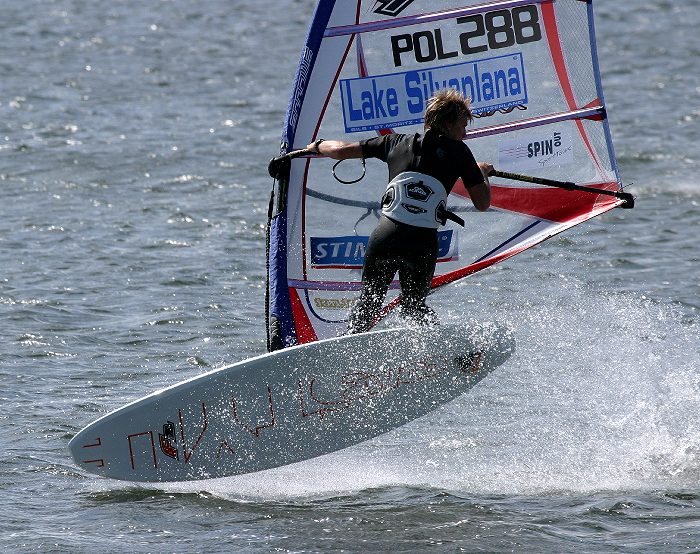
(445, 106)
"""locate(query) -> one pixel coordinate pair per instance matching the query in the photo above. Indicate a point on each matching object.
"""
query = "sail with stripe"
(530, 68)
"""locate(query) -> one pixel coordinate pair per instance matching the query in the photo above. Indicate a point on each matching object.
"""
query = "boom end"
(628, 200)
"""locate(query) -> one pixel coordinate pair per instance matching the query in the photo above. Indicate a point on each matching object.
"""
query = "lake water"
(134, 138)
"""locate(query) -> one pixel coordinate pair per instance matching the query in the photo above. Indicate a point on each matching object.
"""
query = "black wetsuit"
(410, 250)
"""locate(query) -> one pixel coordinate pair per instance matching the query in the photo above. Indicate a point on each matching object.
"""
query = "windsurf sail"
(367, 67)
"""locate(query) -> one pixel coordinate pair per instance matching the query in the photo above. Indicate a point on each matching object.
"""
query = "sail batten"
(531, 71)
(582, 113)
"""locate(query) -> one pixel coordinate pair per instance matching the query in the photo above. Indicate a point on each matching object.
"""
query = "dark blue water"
(133, 197)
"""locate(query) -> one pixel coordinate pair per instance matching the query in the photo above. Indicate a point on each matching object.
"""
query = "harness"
(417, 199)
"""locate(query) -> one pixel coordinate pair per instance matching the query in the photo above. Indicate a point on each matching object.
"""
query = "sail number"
(489, 31)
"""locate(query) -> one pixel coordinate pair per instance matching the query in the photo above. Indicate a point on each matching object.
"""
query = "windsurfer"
(423, 168)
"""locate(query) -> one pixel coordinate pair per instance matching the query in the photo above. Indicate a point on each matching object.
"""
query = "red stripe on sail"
(551, 204)
(302, 324)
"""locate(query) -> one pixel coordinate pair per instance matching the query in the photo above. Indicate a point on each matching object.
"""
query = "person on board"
(423, 168)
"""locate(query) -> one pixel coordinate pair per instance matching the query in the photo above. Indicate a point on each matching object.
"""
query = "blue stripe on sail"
(305, 68)
(278, 290)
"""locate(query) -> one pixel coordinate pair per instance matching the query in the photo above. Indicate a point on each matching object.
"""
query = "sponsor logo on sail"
(397, 99)
(391, 7)
(348, 252)
(334, 303)
(537, 149)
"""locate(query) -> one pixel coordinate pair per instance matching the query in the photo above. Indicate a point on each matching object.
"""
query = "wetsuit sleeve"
(378, 147)
(471, 173)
